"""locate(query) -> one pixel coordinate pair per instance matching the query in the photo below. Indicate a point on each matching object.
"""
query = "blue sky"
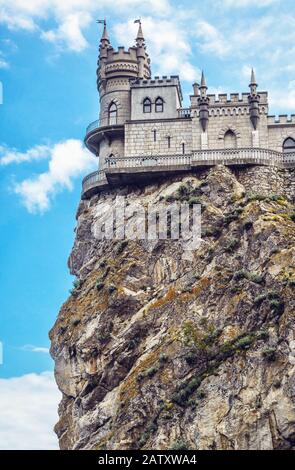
(48, 53)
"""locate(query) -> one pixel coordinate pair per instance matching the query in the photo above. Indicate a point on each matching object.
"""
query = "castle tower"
(116, 70)
(203, 101)
(254, 100)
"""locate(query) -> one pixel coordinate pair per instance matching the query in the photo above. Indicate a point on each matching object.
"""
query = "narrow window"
(183, 148)
(289, 145)
(155, 135)
(112, 114)
(169, 141)
(230, 140)
(159, 105)
(147, 105)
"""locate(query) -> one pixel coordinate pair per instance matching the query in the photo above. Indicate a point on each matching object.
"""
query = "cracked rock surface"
(153, 350)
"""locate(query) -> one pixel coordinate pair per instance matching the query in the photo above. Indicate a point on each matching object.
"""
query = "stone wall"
(278, 133)
(167, 91)
(114, 147)
(267, 180)
(241, 126)
(139, 137)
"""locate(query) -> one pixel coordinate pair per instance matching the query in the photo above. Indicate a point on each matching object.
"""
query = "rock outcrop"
(156, 351)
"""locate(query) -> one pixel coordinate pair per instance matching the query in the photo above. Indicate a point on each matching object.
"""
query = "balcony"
(101, 129)
(126, 170)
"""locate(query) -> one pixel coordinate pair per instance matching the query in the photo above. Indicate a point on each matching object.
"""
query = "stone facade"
(143, 117)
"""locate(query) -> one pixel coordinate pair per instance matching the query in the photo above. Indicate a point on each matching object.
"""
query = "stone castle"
(143, 131)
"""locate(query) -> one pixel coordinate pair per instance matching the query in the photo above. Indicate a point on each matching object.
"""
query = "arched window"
(230, 141)
(147, 105)
(289, 145)
(159, 105)
(113, 114)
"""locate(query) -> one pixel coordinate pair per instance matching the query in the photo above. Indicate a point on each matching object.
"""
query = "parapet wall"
(281, 119)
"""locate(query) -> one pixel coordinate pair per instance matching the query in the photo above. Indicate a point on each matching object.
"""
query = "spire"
(254, 100)
(139, 38)
(253, 78)
(203, 101)
(253, 85)
(203, 81)
(105, 41)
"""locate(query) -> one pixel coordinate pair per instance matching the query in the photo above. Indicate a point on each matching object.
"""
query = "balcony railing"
(184, 112)
(148, 161)
(255, 155)
(92, 179)
(119, 121)
(241, 156)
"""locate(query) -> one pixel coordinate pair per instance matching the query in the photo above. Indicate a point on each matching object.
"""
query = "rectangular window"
(169, 141)
(183, 148)
(155, 135)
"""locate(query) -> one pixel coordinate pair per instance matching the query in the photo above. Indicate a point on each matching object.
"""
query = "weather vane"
(101, 22)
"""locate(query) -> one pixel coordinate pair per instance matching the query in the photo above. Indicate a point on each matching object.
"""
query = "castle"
(144, 132)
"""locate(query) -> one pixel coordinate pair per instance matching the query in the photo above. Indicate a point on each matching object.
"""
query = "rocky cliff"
(154, 351)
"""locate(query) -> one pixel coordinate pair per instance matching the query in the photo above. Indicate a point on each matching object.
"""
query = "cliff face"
(154, 351)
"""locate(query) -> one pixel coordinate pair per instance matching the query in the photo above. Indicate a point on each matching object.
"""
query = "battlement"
(121, 54)
(234, 99)
(282, 119)
(173, 80)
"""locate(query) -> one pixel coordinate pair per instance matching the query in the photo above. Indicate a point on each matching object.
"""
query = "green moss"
(231, 244)
(241, 274)
(259, 299)
(250, 276)
(254, 277)
(180, 444)
(269, 354)
(184, 392)
(245, 342)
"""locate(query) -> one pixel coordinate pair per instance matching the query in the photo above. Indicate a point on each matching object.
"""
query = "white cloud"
(212, 40)
(28, 412)
(67, 161)
(8, 156)
(248, 3)
(69, 32)
(168, 46)
(3, 64)
(70, 16)
(35, 349)
(283, 98)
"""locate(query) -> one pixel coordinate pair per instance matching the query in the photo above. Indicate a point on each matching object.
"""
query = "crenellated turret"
(116, 70)
(254, 100)
(203, 102)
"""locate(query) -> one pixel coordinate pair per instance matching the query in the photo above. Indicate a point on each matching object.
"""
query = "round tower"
(116, 70)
